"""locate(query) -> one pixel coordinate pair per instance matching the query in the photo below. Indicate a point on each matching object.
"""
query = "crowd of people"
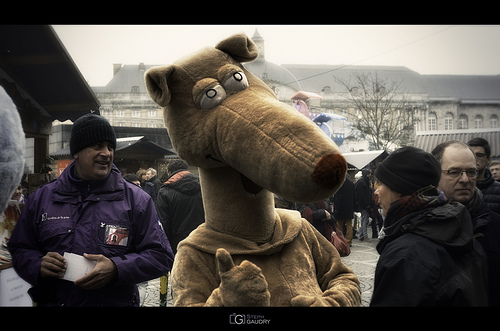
(436, 216)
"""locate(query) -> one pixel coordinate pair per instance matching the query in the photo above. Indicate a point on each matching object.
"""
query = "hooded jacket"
(72, 215)
(180, 206)
(429, 257)
(491, 191)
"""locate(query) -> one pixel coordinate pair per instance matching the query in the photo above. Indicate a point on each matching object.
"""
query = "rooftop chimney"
(116, 68)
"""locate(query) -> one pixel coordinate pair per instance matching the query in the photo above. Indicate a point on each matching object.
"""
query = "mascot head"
(218, 114)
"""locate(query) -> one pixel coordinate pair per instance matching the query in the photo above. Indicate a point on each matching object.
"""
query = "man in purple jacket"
(91, 211)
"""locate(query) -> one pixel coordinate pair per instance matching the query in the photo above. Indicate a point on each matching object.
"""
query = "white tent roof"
(361, 159)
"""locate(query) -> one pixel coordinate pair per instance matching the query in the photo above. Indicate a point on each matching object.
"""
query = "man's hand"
(103, 273)
(53, 265)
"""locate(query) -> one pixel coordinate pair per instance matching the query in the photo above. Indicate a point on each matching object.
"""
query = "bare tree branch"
(380, 110)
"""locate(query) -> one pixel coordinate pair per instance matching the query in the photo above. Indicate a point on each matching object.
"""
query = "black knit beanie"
(409, 169)
(89, 130)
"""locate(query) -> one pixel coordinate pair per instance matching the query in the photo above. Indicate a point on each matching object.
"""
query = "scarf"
(426, 197)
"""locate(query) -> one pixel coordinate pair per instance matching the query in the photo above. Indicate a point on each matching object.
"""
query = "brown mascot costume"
(247, 144)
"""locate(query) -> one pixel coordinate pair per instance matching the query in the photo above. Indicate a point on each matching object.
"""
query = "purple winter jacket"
(110, 217)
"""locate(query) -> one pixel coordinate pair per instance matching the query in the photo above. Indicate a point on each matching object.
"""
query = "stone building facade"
(440, 102)
(125, 101)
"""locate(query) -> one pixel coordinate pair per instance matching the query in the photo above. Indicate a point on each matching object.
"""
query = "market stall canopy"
(139, 148)
(427, 140)
(33, 57)
(361, 159)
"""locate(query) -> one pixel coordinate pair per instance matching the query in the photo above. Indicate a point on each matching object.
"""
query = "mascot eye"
(236, 82)
(212, 97)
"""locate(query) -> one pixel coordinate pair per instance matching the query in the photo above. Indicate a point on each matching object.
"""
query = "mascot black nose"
(330, 171)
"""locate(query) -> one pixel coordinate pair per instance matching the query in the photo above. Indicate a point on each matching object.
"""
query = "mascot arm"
(195, 281)
(338, 282)
(242, 285)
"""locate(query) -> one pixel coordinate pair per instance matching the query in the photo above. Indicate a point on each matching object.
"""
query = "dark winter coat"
(149, 188)
(344, 201)
(486, 228)
(429, 258)
(491, 191)
(156, 183)
(76, 216)
(363, 194)
(180, 207)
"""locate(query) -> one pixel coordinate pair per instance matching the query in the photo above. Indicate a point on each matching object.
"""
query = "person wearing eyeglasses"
(485, 181)
(428, 256)
(458, 183)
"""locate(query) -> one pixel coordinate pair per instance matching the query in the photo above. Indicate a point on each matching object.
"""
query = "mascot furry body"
(247, 144)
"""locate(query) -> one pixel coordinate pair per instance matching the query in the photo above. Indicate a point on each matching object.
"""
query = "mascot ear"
(156, 83)
(239, 47)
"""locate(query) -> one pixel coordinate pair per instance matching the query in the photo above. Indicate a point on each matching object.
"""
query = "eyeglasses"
(454, 173)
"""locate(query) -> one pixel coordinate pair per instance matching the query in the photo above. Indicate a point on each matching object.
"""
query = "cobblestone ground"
(151, 298)
(362, 260)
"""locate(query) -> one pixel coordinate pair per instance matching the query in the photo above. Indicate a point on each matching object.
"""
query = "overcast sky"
(426, 49)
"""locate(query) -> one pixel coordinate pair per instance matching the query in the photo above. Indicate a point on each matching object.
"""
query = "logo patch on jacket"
(116, 235)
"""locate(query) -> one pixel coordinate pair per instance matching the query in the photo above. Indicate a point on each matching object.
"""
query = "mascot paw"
(309, 301)
(242, 285)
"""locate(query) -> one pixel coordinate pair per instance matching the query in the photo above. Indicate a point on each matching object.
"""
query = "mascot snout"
(277, 147)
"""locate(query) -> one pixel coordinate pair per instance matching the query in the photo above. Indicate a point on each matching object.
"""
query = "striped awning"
(427, 140)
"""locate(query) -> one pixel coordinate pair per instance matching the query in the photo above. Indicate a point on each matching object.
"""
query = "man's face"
(495, 171)
(482, 159)
(149, 175)
(459, 158)
(94, 162)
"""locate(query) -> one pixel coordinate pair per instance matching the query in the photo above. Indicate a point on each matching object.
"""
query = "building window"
(136, 113)
(151, 113)
(120, 113)
(478, 122)
(135, 89)
(448, 121)
(462, 121)
(432, 122)
(494, 121)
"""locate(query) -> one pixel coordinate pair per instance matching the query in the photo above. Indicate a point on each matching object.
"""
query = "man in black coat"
(364, 202)
(485, 181)
(152, 178)
(343, 208)
(456, 157)
(179, 204)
